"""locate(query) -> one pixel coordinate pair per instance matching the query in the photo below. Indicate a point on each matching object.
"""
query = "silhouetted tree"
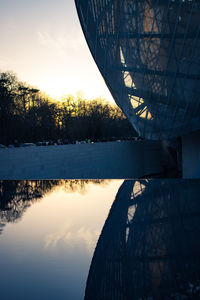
(28, 115)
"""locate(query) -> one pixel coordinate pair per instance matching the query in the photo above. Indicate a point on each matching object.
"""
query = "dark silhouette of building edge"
(149, 246)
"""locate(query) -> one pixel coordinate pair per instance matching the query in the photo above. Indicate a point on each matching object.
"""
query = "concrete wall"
(131, 159)
(191, 155)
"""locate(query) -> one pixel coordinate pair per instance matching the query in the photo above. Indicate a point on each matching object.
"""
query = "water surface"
(102, 240)
(49, 230)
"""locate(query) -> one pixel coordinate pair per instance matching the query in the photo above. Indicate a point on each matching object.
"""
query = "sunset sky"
(42, 42)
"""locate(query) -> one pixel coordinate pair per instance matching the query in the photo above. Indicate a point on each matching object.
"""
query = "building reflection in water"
(149, 247)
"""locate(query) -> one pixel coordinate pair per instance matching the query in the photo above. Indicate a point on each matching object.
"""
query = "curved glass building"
(148, 52)
(148, 247)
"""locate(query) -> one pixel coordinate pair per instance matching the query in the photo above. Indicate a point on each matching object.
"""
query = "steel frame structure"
(148, 52)
(149, 246)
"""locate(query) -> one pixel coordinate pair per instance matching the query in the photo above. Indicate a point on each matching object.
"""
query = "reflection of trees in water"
(17, 196)
(149, 247)
(81, 186)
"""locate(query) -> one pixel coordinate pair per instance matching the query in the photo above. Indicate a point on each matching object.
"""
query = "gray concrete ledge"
(191, 155)
(131, 159)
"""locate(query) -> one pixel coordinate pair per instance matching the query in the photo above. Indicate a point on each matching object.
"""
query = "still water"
(49, 231)
(133, 239)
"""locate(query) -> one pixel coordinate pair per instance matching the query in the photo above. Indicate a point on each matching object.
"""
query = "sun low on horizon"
(42, 42)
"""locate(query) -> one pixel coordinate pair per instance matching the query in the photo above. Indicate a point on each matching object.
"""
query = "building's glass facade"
(148, 52)
(149, 247)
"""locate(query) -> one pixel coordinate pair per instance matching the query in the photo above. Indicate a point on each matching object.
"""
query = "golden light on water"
(71, 218)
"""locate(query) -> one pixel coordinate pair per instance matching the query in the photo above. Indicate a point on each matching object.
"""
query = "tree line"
(29, 115)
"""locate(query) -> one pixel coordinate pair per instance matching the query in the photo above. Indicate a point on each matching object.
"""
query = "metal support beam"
(165, 73)
(137, 35)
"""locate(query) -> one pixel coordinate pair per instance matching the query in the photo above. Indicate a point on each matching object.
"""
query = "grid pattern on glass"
(148, 247)
(148, 52)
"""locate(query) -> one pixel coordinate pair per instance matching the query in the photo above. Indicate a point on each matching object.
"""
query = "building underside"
(149, 246)
(148, 52)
